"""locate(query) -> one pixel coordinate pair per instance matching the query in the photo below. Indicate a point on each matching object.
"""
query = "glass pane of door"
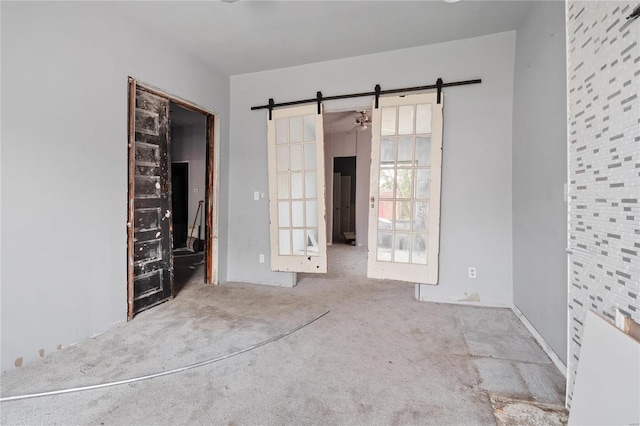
(296, 190)
(405, 168)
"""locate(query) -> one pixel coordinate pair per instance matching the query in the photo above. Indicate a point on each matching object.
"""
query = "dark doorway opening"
(344, 199)
(188, 186)
(180, 203)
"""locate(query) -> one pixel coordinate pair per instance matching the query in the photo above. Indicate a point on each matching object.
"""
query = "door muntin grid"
(404, 184)
(297, 186)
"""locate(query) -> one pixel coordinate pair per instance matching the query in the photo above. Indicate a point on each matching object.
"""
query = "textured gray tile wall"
(603, 63)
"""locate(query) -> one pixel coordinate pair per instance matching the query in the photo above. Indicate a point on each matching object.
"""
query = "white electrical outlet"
(472, 271)
(256, 195)
(261, 258)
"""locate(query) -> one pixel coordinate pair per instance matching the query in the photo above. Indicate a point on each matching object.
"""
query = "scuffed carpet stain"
(515, 412)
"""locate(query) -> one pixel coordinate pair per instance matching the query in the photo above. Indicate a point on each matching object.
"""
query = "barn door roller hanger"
(377, 92)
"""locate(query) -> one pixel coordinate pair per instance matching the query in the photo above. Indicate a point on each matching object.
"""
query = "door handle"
(373, 200)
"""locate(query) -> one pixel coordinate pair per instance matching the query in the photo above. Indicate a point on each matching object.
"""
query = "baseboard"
(263, 283)
(543, 343)
(419, 297)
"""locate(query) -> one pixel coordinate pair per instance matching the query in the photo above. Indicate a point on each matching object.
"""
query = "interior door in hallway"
(404, 210)
(297, 190)
(150, 260)
(335, 216)
(180, 202)
(345, 204)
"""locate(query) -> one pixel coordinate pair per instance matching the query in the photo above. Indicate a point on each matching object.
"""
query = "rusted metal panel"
(148, 187)
(149, 103)
(147, 220)
(148, 301)
(147, 251)
(147, 122)
(147, 284)
(146, 171)
(147, 154)
(150, 194)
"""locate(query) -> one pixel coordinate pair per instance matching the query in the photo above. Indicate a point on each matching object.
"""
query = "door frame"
(345, 105)
(353, 187)
(212, 189)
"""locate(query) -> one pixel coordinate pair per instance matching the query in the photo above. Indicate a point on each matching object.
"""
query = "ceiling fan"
(363, 121)
(346, 122)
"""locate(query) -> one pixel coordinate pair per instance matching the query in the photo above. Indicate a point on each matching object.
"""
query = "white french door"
(404, 204)
(297, 190)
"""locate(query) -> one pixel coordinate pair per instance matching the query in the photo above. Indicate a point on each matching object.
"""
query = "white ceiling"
(248, 36)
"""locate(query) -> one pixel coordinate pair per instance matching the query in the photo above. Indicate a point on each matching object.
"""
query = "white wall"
(64, 165)
(189, 143)
(540, 172)
(476, 194)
